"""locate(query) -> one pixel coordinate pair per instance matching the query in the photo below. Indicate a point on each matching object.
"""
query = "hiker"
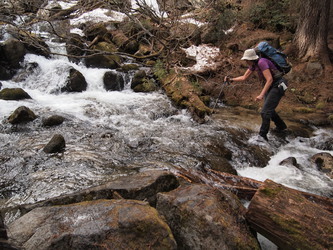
(273, 89)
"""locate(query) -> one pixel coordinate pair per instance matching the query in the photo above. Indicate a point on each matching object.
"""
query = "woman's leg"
(268, 110)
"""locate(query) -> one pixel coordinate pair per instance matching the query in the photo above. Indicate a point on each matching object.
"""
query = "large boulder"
(14, 52)
(113, 81)
(203, 217)
(21, 115)
(57, 144)
(101, 224)
(14, 94)
(142, 186)
(75, 82)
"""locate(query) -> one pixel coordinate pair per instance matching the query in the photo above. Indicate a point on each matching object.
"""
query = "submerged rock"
(101, 224)
(56, 144)
(203, 217)
(21, 115)
(53, 120)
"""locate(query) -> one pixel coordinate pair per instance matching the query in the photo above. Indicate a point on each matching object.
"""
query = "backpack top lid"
(263, 46)
(276, 56)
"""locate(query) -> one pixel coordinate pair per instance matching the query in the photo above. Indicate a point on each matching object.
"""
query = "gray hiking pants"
(268, 113)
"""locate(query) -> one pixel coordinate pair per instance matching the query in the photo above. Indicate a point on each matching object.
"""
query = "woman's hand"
(260, 97)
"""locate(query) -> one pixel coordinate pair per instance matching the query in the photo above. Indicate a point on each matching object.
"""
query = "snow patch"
(205, 56)
(99, 15)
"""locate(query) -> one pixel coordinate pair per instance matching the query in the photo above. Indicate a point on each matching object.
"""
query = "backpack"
(276, 56)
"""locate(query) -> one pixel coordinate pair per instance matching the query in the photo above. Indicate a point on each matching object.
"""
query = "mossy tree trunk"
(289, 219)
(312, 31)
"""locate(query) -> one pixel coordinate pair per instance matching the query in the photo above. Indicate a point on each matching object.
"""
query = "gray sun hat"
(250, 55)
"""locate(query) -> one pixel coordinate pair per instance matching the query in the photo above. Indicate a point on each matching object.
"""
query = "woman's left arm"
(269, 80)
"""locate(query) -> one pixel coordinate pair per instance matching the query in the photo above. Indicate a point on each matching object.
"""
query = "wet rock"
(3, 237)
(129, 67)
(141, 186)
(14, 94)
(53, 120)
(299, 131)
(14, 52)
(138, 78)
(290, 161)
(21, 115)
(201, 216)
(5, 73)
(220, 164)
(0, 85)
(56, 144)
(324, 144)
(147, 86)
(103, 61)
(324, 162)
(75, 82)
(113, 81)
(131, 47)
(101, 224)
(92, 31)
(75, 46)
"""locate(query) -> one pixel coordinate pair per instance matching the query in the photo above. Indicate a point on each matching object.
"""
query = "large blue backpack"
(276, 56)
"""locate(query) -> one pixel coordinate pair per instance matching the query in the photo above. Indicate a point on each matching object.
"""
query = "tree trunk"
(312, 31)
(288, 219)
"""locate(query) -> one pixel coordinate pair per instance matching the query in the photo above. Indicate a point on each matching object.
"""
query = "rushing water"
(119, 132)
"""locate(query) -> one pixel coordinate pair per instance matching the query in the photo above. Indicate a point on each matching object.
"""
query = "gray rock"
(101, 224)
(202, 217)
(56, 145)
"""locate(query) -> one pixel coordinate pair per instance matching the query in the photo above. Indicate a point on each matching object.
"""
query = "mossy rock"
(105, 46)
(103, 61)
(185, 94)
(148, 86)
(129, 67)
(21, 115)
(14, 94)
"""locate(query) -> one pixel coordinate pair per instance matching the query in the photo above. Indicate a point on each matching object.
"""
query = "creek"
(114, 133)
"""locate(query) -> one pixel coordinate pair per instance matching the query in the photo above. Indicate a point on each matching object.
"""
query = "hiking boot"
(264, 137)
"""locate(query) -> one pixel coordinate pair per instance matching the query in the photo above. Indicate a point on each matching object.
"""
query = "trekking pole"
(224, 83)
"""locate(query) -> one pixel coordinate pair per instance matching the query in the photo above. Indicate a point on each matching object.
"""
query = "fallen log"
(289, 219)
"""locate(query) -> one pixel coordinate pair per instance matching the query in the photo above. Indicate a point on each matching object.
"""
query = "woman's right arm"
(246, 75)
